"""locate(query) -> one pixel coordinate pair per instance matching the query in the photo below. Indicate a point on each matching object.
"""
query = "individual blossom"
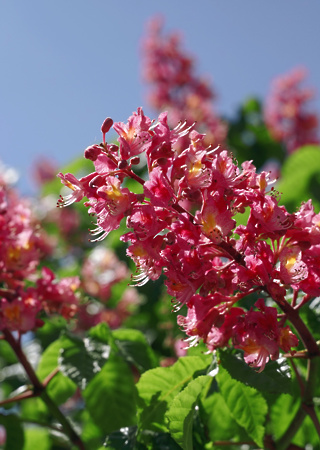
(135, 136)
(80, 188)
(287, 114)
(203, 314)
(292, 268)
(219, 336)
(259, 335)
(269, 218)
(158, 189)
(310, 284)
(306, 226)
(146, 221)
(215, 218)
(147, 256)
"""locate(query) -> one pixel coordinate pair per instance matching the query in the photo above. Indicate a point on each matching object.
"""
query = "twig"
(51, 375)
(25, 395)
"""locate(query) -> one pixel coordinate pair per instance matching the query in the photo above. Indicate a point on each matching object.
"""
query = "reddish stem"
(25, 395)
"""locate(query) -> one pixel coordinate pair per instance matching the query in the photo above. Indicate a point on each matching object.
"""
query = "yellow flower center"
(290, 261)
(12, 313)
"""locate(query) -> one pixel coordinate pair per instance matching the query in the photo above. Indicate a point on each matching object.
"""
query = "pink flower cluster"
(176, 88)
(24, 293)
(101, 270)
(287, 115)
(183, 223)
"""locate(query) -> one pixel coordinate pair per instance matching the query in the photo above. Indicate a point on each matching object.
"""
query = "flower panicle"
(183, 224)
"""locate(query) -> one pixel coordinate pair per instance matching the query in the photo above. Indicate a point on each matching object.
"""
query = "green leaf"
(80, 359)
(181, 411)
(282, 413)
(37, 438)
(219, 421)
(14, 432)
(51, 330)
(110, 396)
(300, 179)
(91, 435)
(247, 406)
(135, 349)
(101, 332)
(34, 409)
(60, 388)
(158, 387)
(7, 355)
(275, 378)
(307, 436)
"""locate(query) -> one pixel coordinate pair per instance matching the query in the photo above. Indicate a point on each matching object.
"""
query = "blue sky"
(66, 65)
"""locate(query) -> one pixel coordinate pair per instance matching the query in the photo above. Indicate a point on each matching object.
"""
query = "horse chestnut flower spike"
(183, 224)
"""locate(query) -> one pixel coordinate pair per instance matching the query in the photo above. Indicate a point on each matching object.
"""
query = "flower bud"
(105, 127)
(123, 164)
(135, 160)
(113, 148)
(92, 152)
(107, 124)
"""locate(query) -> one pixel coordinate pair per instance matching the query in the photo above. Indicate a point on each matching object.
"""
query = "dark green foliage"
(275, 378)
(110, 396)
(80, 359)
(14, 431)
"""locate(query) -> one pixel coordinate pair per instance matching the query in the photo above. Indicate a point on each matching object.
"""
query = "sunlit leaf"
(282, 413)
(220, 423)
(300, 179)
(110, 396)
(60, 388)
(158, 387)
(37, 438)
(247, 405)
(181, 411)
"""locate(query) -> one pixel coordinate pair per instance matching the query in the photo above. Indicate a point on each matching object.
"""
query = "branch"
(39, 389)
(25, 395)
